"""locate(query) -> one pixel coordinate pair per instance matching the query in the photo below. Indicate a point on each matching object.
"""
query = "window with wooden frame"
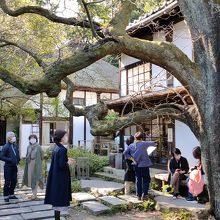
(138, 77)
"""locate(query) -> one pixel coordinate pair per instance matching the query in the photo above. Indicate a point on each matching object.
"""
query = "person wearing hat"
(33, 167)
(10, 155)
(58, 189)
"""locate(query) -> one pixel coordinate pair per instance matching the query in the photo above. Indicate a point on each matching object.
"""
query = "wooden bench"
(163, 177)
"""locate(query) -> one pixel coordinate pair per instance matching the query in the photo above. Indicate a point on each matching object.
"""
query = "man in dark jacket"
(178, 167)
(10, 155)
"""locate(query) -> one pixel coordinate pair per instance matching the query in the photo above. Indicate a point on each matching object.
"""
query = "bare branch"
(28, 51)
(47, 14)
(85, 5)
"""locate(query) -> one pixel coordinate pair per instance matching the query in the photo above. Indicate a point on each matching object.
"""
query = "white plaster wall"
(91, 98)
(123, 91)
(182, 39)
(25, 131)
(185, 140)
(158, 81)
(105, 96)
(115, 96)
(89, 136)
(78, 94)
(78, 129)
(127, 60)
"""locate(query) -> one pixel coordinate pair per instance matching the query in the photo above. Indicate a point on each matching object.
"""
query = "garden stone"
(95, 208)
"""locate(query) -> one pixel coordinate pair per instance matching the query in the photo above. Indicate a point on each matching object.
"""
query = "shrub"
(96, 162)
(148, 205)
(75, 186)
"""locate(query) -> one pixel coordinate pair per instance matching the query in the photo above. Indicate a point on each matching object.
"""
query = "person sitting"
(138, 153)
(195, 182)
(129, 176)
(178, 167)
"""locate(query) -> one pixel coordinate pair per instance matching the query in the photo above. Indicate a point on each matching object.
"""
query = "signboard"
(170, 134)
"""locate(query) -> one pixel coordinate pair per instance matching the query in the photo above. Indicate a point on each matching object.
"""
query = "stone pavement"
(23, 208)
(26, 209)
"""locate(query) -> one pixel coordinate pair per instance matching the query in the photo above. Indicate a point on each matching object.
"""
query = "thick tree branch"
(120, 21)
(68, 102)
(47, 14)
(105, 127)
(27, 50)
(60, 69)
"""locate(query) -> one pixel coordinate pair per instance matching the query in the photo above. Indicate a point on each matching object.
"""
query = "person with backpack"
(195, 182)
(10, 155)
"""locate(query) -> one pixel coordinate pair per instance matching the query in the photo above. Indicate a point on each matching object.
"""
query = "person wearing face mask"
(58, 189)
(178, 167)
(33, 167)
(10, 155)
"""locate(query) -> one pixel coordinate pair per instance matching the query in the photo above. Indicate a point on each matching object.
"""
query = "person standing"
(178, 167)
(138, 153)
(58, 189)
(33, 167)
(129, 176)
(10, 155)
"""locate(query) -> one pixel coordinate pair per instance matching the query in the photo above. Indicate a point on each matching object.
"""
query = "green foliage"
(154, 185)
(148, 205)
(48, 153)
(111, 116)
(75, 186)
(171, 215)
(115, 193)
(112, 59)
(119, 208)
(96, 162)
(22, 163)
(164, 189)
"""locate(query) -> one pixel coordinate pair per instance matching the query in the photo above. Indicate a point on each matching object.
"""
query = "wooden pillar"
(41, 119)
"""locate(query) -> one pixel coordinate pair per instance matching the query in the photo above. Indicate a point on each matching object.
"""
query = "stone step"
(95, 208)
(15, 211)
(11, 217)
(131, 200)
(101, 187)
(82, 197)
(108, 176)
(37, 208)
(112, 201)
(38, 215)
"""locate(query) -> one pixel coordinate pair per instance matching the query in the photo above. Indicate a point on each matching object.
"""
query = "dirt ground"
(79, 214)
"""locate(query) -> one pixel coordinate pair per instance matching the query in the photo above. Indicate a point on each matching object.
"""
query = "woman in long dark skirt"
(129, 177)
(58, 190)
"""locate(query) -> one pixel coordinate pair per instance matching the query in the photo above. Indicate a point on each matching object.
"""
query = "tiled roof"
(99, 75)
(145, 19)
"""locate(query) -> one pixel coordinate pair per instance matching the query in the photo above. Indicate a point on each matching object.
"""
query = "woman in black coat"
(58, 190)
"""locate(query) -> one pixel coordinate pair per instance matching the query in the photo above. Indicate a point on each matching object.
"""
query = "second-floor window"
(135, 78)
